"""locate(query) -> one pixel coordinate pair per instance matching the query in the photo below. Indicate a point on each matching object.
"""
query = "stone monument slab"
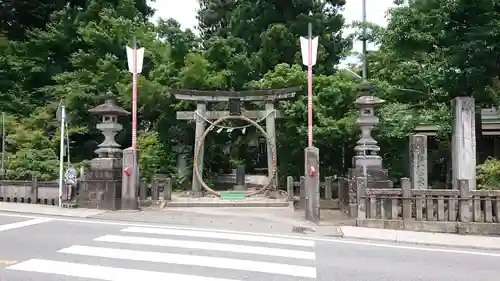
(418, 161)
(464, 142)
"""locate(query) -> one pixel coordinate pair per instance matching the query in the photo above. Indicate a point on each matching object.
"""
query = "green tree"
(453, 41)
(334, 119)
(78, 56)
(271, 29)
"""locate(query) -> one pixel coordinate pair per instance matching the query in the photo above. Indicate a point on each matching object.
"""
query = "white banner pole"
(61, 155)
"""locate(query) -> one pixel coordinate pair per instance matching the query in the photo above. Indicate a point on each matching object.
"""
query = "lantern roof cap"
(109, 107)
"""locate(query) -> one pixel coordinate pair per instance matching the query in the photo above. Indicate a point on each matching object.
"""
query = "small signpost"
(71, 175)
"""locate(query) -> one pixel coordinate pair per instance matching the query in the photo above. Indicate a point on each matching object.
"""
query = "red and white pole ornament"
(309, 50)
(135, 59)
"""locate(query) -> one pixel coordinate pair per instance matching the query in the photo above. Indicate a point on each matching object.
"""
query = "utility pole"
(363, 7)
(309, 86)
(67, 146)
(309, 49)
(3, 146)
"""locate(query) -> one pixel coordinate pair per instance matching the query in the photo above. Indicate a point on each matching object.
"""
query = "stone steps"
(227, 203)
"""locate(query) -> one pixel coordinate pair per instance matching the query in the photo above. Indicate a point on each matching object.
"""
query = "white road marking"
(328, 240)
(103, 272)
(205, 261)
(189, 244)
(23, 223)
(221, 235)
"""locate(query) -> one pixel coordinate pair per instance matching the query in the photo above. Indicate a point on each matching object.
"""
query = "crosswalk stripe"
(221, 235)
(234, 248)
(103, 272)
(206, 261)
(23, 224)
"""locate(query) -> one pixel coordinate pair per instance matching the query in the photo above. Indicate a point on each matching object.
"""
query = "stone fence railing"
(329, 192)
(159, 186)
(47, 192)
(435, 210)
(34, 191)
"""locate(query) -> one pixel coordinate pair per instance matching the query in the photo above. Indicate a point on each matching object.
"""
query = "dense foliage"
(73, 50)
(488, 174)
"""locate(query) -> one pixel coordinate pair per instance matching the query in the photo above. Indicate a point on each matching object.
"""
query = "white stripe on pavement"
(206, 261)
(234, 248)
(103, 272)
(23, 224)
(477, 249)
(222, 235)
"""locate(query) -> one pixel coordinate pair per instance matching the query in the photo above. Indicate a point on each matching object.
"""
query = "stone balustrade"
(329, 197)
(32, 192)
(47, 192)
(436, 210)
(152, 192)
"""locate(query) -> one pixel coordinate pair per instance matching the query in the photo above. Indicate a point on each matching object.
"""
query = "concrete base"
(129, 204)
(239, 188)
(377, 178)
(102, 187)
(371, 161)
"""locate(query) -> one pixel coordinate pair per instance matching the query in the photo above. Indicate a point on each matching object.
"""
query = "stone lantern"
(102, 186)
(367, 158)
(109, 127)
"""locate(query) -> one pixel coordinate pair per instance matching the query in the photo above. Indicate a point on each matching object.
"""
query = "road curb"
(423, 243)
(432, 239)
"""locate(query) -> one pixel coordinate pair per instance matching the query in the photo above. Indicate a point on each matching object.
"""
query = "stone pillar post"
(312, 184)
(418, 161)
(129, 200)
(464, 142)
(200, 128)
(289, 187)
(271, 132)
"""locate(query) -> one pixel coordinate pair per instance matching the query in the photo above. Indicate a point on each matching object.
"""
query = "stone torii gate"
(269, 96)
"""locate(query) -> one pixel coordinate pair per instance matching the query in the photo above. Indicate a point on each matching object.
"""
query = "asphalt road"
(50, 249)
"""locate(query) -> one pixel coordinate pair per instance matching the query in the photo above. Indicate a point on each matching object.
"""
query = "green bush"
(488, 174)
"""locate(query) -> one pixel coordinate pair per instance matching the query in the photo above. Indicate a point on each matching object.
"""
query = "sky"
(185, 14)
